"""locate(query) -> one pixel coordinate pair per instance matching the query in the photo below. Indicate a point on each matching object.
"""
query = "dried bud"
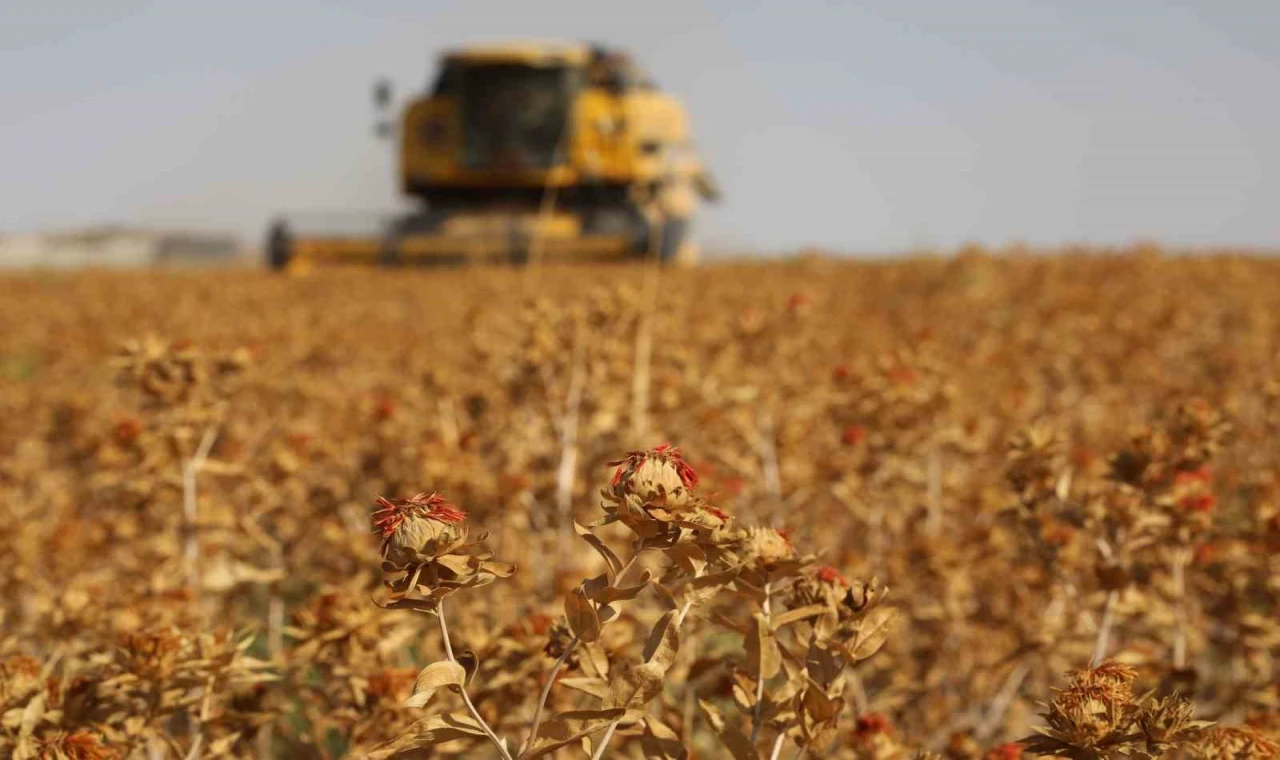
(422, 527)
(825, 586)
(658, 477)
(652, 492)
(1096, 711)
(1168, 721)
(766, 547)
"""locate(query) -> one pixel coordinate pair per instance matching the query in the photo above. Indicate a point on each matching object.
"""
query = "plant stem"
(1180, 611)
(191, 507)
(684, 611)
(560, 661)
(769, 457)
(1000, 704)
(1100, 645)
(777, 747)
(448, 651)
(604, 741)
(546, 693)
(642, 363)
(759, 705)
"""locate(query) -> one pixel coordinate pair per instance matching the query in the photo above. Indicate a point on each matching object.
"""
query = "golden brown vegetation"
(985, 507)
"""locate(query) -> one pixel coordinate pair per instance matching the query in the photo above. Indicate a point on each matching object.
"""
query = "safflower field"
(996, 505)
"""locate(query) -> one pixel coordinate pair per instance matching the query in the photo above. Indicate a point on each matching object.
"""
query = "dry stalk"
(1102, 643)
(777, 747)
(641, 376)
(191, 508)
(448, 414)
(569, 428)
(604, 741)
(1003, 700)
(759, 705)
(1179, 571)
(569, 649)
(466, 698)
(768, 445)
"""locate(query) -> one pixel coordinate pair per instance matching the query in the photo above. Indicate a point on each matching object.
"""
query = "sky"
(869, 127)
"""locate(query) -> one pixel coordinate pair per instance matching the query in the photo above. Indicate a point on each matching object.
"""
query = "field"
(987, 506)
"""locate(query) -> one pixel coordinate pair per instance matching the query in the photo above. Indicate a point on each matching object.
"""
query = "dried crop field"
(981, 507)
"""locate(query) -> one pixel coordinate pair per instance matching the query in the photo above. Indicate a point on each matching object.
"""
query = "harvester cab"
(522, 153)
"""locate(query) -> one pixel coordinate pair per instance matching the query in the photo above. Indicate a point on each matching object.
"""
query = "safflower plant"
(428, 557)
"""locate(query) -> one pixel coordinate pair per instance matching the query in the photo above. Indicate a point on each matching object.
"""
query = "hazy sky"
(870, 126)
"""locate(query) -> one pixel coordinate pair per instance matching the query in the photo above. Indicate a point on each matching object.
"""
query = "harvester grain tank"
(523, 153)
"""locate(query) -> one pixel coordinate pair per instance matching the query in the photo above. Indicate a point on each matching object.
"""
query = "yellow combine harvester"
(527, 153)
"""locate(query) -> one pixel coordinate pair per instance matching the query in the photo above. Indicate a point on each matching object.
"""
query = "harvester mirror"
(382, 94)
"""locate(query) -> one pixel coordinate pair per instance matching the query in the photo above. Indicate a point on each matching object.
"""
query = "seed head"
(765, 547)
(657, 476)
(410, 528)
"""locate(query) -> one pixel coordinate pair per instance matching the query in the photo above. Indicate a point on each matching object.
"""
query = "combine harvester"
(525, 153)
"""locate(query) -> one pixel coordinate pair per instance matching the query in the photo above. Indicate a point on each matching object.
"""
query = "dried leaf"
(610, 558)
(592, 686)
(781, 620)
(568, 727)
(583, 618)
(699, 590)
(434, 729)
(691, 558)
(873, 631)
(596, 660)
(763, 657)
(635, 686)
(610, 594)
(734, 740)
(659, 741)
(435, 676)
(665, 596)
(663, 642)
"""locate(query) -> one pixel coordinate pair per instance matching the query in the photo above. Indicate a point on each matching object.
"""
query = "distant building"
(119, 247)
